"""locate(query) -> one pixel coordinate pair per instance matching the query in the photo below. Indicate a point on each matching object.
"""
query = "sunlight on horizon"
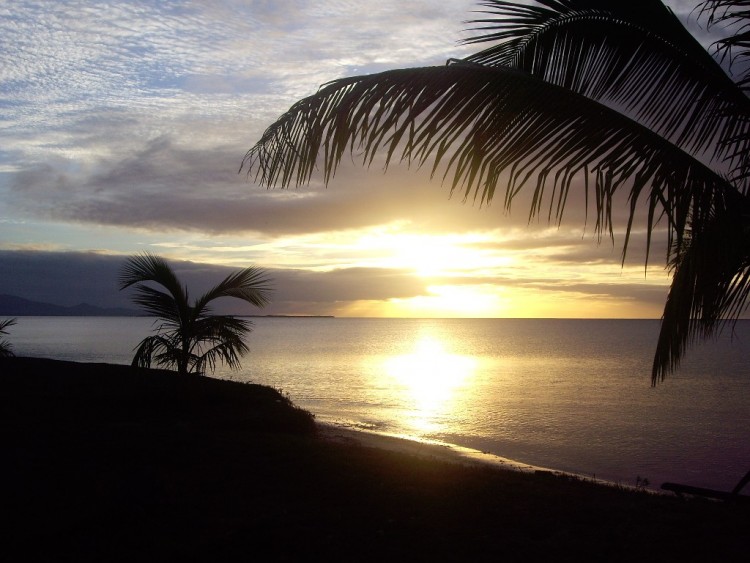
(430, 378)
(451, 301)
(393, 270)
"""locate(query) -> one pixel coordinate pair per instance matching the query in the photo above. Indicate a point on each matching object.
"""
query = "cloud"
(138, 114)
(70, 278)
(62, 278)
(162, 185)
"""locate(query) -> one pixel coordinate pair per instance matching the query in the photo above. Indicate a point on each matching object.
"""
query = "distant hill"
(14, 306)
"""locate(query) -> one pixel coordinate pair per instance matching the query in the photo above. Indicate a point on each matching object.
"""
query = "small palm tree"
(189, 337)
(607, 96)
(6, 349)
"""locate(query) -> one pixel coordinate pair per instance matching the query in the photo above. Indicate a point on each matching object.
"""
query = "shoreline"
(441, 451)
(453, 453)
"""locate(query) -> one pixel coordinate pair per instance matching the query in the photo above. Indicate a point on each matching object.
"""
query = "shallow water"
(572, 395)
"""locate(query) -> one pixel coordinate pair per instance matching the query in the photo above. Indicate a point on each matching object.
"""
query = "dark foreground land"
(104, 463)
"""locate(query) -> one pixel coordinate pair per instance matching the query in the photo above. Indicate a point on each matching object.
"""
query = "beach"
(448, 453)
(108, 463)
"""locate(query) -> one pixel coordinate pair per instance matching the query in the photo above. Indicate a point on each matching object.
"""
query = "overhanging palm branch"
(710, 284)
(634, 56)
(735, 47)
(487, 126)
(611, 95)
(188, 336)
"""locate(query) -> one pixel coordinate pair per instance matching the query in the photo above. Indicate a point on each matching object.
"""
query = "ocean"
(569, 395)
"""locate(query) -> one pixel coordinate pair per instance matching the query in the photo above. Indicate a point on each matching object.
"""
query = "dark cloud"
(62, 278)
(70, 278)
(163, 186)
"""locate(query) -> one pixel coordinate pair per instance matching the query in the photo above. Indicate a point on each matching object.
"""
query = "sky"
(124, 125)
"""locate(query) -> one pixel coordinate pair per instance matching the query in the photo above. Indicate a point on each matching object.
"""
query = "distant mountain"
(13, 306)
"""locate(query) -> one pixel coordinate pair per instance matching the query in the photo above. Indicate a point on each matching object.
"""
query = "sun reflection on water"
(430, 378)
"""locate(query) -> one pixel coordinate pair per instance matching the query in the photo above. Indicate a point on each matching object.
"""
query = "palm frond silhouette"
(604, 97)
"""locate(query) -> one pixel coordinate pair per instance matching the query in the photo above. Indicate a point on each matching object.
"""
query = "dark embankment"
(108, 463)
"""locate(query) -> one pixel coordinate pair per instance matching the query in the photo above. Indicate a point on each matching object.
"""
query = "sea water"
(572, 395)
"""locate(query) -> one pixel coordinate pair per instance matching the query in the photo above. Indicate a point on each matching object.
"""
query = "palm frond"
(165, 350)
(147, 349)
(487, 126)
(6, 348)
(710, 285)
(249, 284)
(225, 351)
(146, 267)
(733, 16)
(225, 337)
(157, 303)
(149, 268)
(634, 57)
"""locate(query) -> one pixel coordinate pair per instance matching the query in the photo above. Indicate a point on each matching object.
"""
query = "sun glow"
(430, 255)
(450, 301)
(430, 378)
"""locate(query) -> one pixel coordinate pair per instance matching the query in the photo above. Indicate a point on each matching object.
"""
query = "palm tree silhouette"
(614, 98)
(189, 337)
(6, 349)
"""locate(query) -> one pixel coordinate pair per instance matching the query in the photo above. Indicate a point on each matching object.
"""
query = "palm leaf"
(250, 284)
(142, 268)
(225, 337)
(634, 57)
(487, 126)
(710, 285)
(6, 348)
(157, 303)
(731, 15)
(612, 95)
(148, 348)
(149, 268)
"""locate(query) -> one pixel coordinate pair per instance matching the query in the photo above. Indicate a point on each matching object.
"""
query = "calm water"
(573, 395)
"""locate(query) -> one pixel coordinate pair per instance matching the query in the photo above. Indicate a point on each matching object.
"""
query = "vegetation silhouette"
(189, 337)
(614, 98)
(6, 348)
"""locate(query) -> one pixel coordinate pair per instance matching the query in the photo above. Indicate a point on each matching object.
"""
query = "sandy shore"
(449, 453)
(422, 449)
